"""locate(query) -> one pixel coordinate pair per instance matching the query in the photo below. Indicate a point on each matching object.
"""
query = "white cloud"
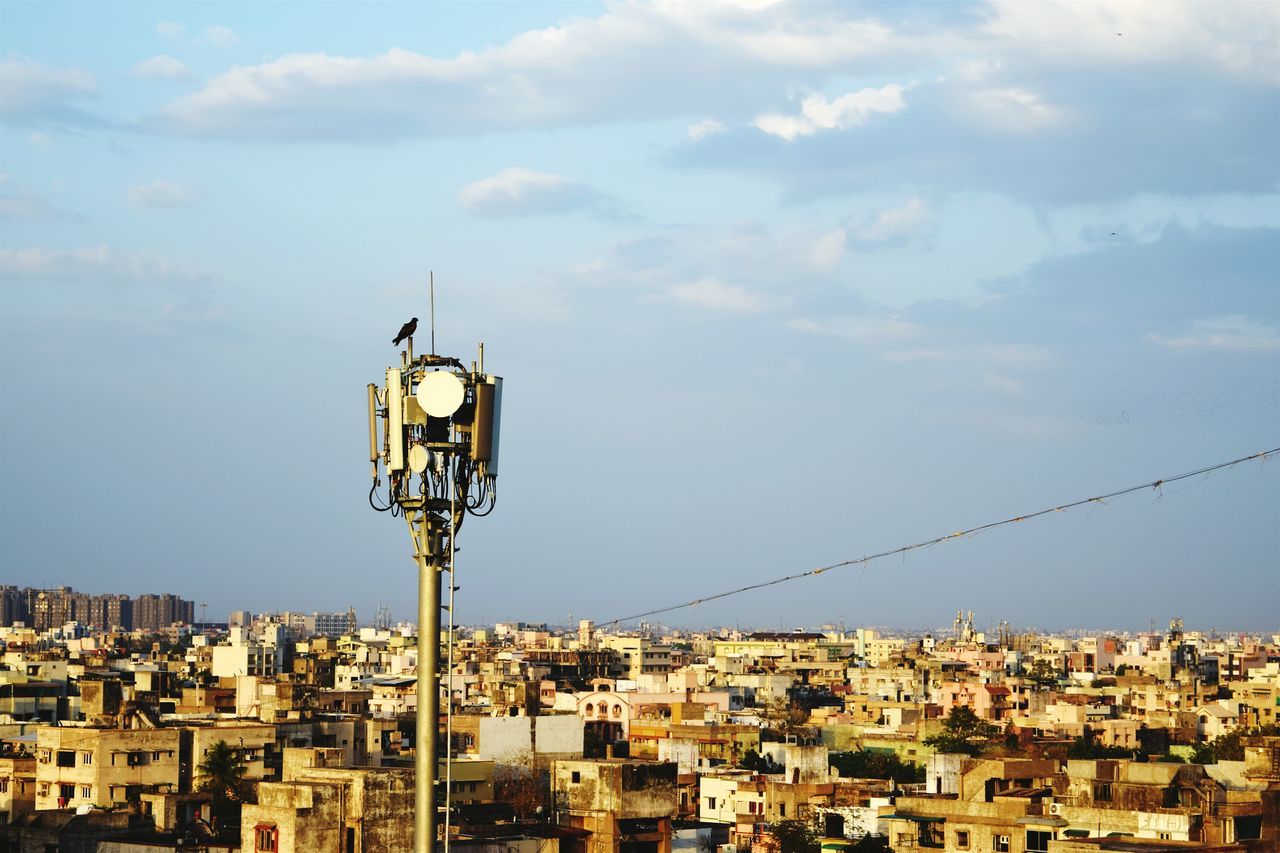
(30, 91)
(716, 295)
(90, 263)
(23, 202)
(828, 249)
(1238, 37)
(896, 222)
(170, 30)
(39, 139)
(158, 194)
(523, 192)
(869, 329)
(220, 36)
(1014, 109)
(594, 70)
(846, 111)
(163, 67)
(1234, 332)
(705, 128)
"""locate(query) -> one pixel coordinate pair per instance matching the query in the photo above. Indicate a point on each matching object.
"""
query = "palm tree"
(221, 773)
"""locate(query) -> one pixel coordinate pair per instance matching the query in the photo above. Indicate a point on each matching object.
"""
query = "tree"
(795, 836)
(1042, 672)
(221, 773)
(964, 732)
(783, 717)
(1087, 746)
(522, 784)
(1229, 746)
(873, 764)
(758, 763)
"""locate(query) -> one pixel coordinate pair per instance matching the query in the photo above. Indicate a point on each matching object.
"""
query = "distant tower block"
(586, 634)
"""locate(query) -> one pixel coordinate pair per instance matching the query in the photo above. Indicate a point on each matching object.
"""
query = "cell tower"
(438, 423)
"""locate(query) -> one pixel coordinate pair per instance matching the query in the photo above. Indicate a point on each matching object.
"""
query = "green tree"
(758, 763)
(783, 717)
(1229, 746)
(1042, 672)
(221, 773)
(874, 764)
(964, 732)
(796, 836)
(1087, 746)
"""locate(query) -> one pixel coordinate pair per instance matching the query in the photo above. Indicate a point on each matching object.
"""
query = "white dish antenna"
(440, 394)
(419, 458)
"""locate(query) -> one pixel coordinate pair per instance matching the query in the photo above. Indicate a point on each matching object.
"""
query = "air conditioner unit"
(1004, 839)
(1055, 808)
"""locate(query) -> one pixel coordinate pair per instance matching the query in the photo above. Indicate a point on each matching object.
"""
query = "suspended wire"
(1094, 501)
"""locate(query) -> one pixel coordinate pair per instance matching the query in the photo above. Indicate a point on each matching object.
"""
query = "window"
(155, 756)
(962, 839)
(711, 803)
(86, 758)
(782, 809)
(264, 838)
(1102, 792)
(1038, 841)
(66, 758)
(575, 777)
(1000, 843)
(86, 791)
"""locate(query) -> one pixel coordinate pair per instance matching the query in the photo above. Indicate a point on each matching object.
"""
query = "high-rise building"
(153, 612)
(15, 605)
(56, 607)
(111, 612)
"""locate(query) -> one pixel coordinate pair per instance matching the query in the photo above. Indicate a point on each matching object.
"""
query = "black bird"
(406, 330)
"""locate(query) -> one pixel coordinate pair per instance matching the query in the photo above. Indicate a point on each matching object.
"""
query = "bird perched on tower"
(406, 330)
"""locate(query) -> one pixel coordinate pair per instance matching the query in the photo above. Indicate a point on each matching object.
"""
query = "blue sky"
(771, 285)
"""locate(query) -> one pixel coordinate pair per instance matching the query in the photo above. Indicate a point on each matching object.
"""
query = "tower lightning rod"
(432, 280)
(439, 423)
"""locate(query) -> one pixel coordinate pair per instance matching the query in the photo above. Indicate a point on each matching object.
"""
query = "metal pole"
(428, 713)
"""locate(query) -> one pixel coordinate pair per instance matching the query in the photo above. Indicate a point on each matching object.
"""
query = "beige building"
(621, 803)
(17, 785)
(104, 767)
(639, 656)
(323, 808)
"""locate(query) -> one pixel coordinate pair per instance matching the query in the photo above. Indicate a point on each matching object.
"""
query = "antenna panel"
(395, 420)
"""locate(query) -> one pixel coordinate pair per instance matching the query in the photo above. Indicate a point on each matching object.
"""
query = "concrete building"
(104, 767)
(322, 808)
(638, 656)
(625, 806)
(17, 785)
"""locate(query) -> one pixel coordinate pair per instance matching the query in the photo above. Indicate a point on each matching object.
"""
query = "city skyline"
(771, 286)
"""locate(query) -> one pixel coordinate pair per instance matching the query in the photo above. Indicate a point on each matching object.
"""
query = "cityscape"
(128, 726)
(640, 426)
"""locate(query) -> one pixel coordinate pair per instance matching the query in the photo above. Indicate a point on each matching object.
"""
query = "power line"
(1155, 484)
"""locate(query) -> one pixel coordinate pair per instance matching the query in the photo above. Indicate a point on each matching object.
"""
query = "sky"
(770, 285)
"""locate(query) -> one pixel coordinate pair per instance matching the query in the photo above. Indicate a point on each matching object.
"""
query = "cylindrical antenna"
(373, 423)
(432, 279)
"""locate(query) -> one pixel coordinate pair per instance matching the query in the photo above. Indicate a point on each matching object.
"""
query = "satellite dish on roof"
(440, 393)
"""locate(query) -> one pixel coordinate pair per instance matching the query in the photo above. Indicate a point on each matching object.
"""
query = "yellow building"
(104, 767)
